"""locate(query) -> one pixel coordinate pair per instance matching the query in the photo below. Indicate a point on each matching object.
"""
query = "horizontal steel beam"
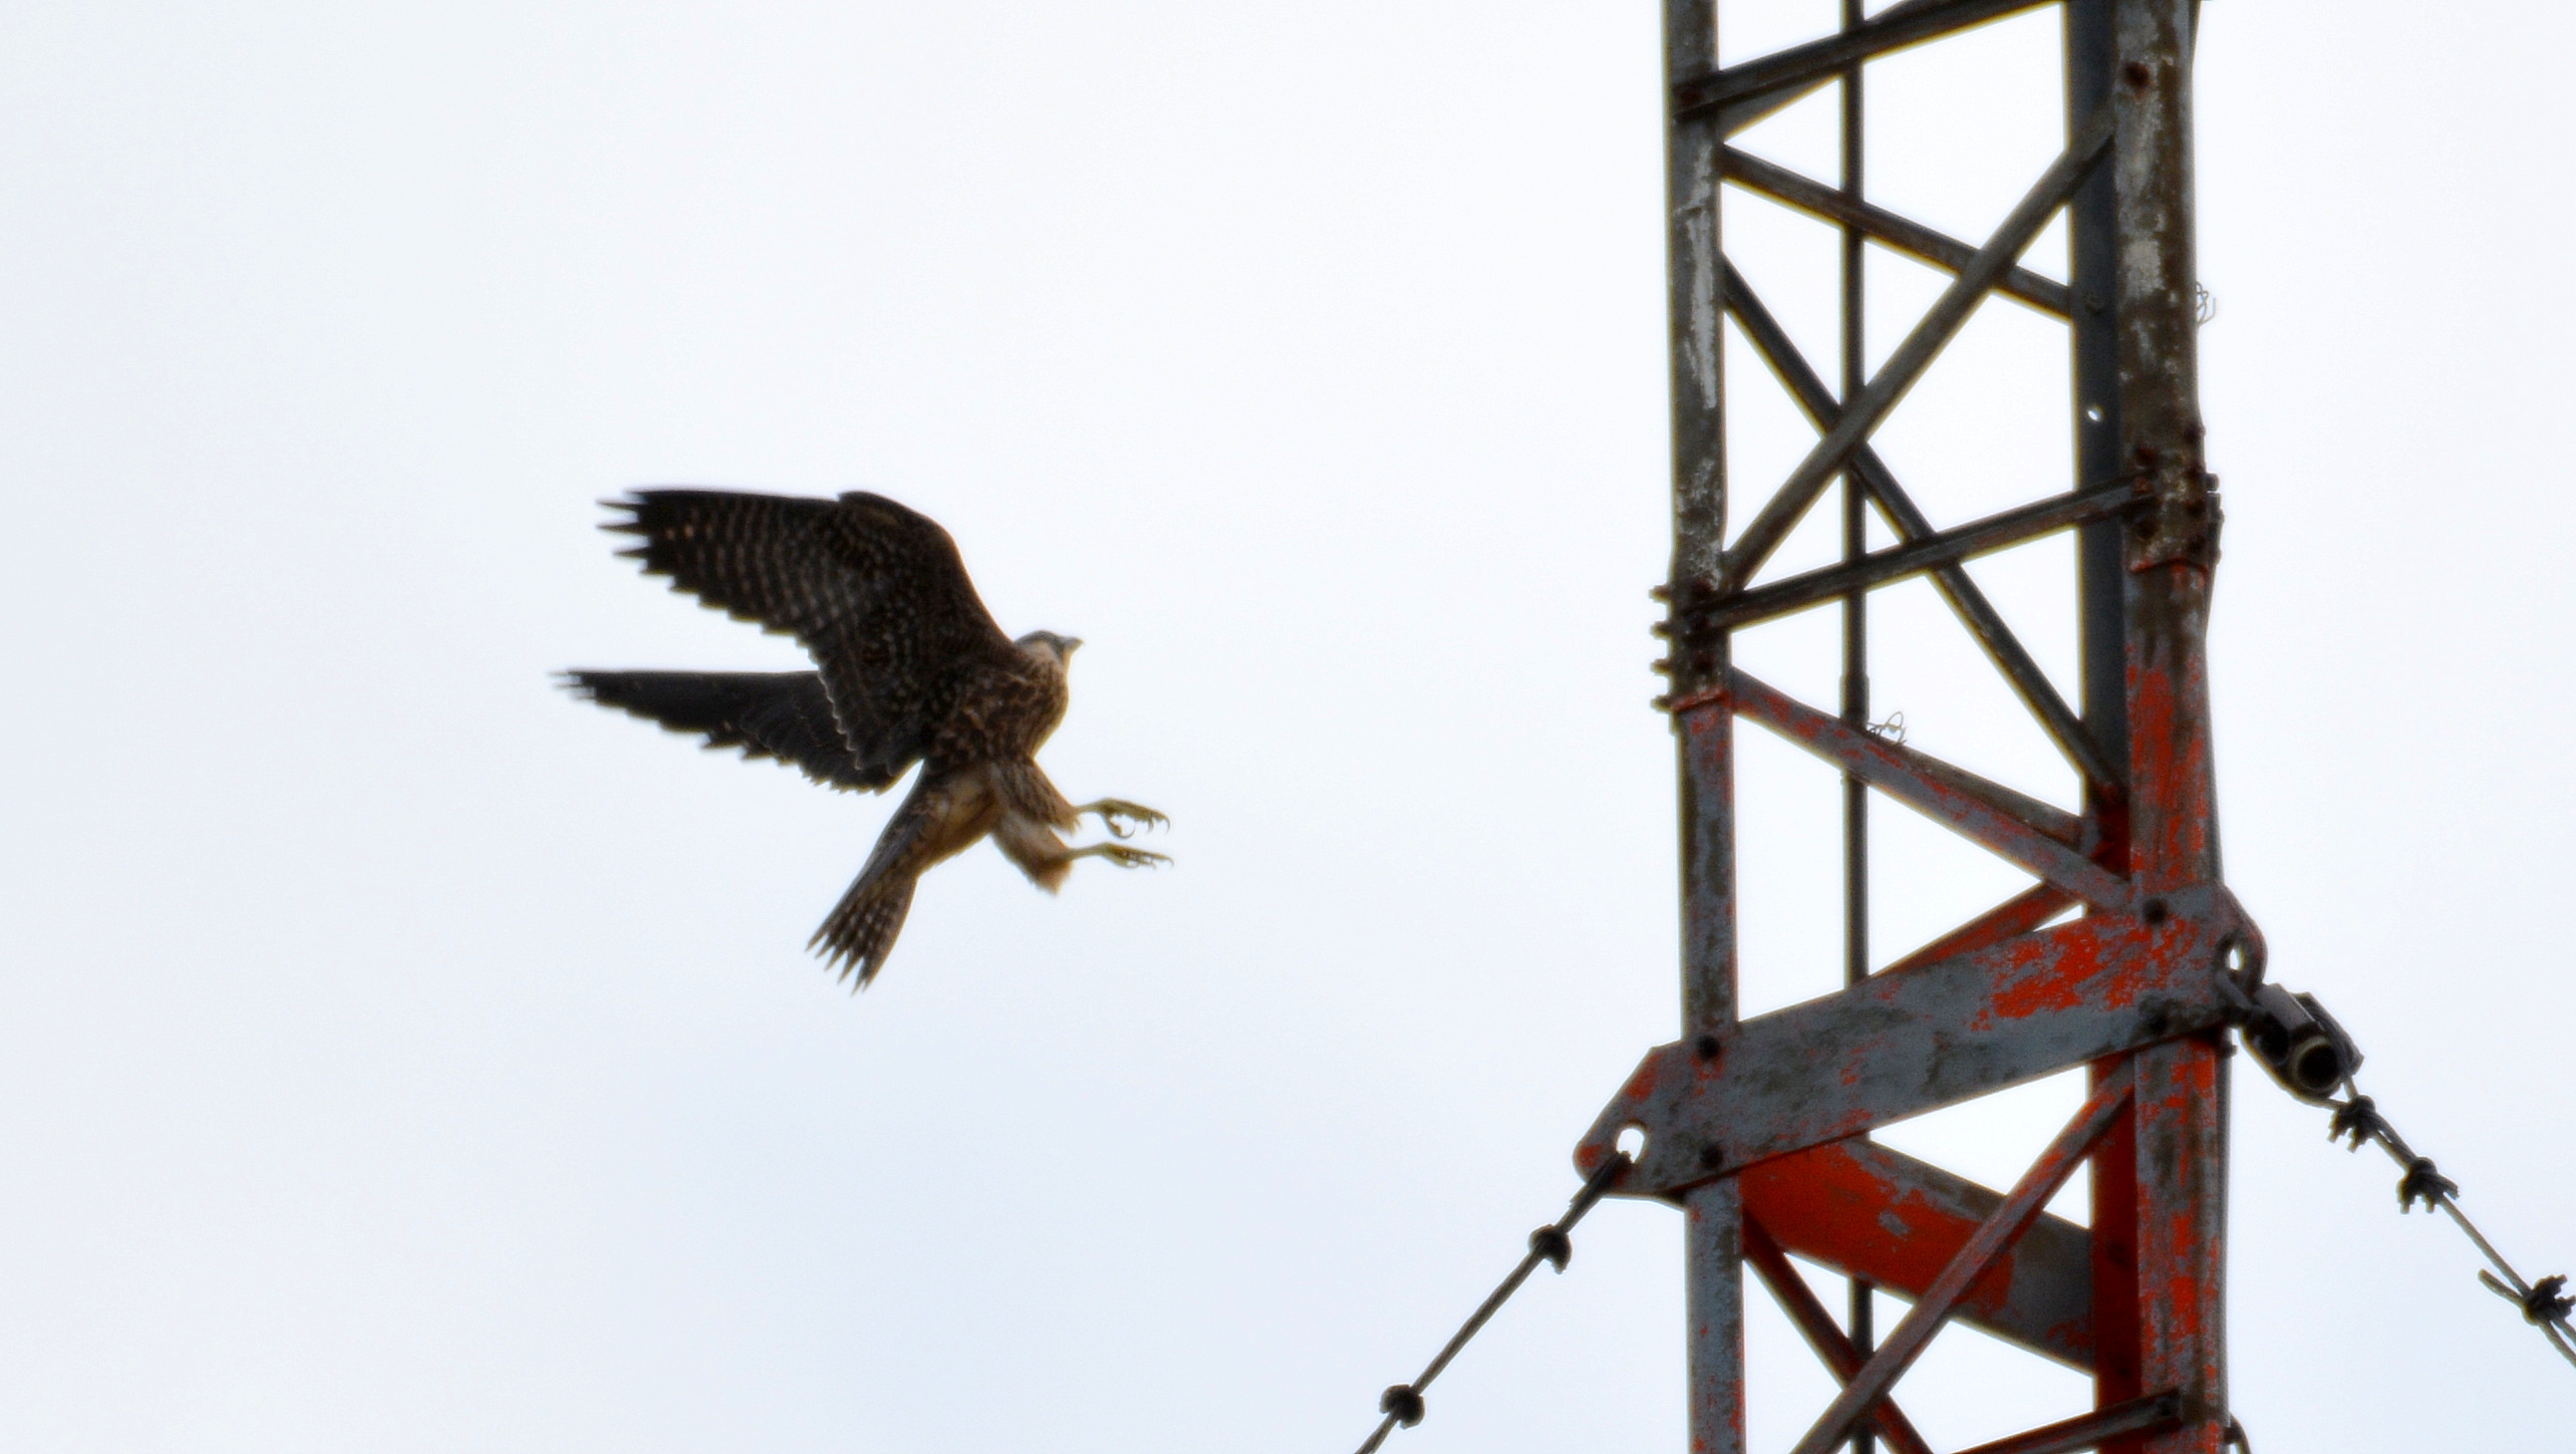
(1819, 59)
(1998, 531)
(2032, 835)
(1904, 234)
(1910, 1041)
(1866, 1211)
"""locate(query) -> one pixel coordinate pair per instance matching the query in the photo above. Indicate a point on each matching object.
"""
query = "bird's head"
(1049, 644)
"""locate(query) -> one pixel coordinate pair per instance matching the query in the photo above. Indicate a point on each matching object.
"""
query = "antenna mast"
(1758, 1128)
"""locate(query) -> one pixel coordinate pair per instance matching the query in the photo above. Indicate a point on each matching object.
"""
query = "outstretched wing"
(784, 715)
(875, 592)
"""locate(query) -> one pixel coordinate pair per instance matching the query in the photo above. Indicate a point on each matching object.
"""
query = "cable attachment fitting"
(2358, 1118)
(1550, 1245)
(2235, 1437)
(2546, 1302)
(1401, 1404)
(2298, 1044)
(2423, 1183)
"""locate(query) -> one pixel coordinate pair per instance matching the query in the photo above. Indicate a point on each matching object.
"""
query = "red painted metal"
(1830, 1342)
(1901, 1044)
(1866, 1211)
(1991, 1239)
(1757, 1128)
(2088, 1431)
(2178, 1212)
(2020, 914)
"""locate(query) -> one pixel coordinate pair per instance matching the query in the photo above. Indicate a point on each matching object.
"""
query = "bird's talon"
(1124, 819)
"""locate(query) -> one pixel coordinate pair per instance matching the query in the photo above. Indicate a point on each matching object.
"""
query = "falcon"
(910, 668)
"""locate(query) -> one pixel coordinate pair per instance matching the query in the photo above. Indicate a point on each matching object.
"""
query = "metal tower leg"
(1714, 1234)
(2181, 1137)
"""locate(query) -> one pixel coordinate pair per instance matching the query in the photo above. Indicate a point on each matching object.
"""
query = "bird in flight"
(910, 668)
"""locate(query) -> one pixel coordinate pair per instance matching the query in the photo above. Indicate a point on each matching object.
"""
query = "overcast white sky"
(403, 1057)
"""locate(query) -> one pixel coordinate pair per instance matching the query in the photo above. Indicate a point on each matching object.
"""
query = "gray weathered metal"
(1975, 612)
(1904, 368)
(1905, 1042)
(1758, 1128)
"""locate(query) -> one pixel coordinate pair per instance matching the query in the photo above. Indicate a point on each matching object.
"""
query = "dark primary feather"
(876, 593)
(783, 715)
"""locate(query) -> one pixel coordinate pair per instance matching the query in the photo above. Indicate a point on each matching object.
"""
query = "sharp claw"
(1124, 819)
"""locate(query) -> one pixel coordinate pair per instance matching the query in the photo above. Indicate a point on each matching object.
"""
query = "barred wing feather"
(876, 593)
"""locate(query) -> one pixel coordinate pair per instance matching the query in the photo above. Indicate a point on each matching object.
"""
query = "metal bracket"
(1912, 1040)
(2178, 514)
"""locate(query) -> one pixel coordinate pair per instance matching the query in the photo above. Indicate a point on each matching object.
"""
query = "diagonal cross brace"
(1921, 1321)
(1864, 1210)
(1904, 367)
(1831, 1344)
(1996, 818)
(2093, 1430)
(1977, 613)
(2020, 914)
(1904, 234)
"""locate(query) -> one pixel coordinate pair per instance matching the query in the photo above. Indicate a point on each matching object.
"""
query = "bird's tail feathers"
(861, 930)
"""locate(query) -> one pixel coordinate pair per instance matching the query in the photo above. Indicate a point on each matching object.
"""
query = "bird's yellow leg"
(1112, 810)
